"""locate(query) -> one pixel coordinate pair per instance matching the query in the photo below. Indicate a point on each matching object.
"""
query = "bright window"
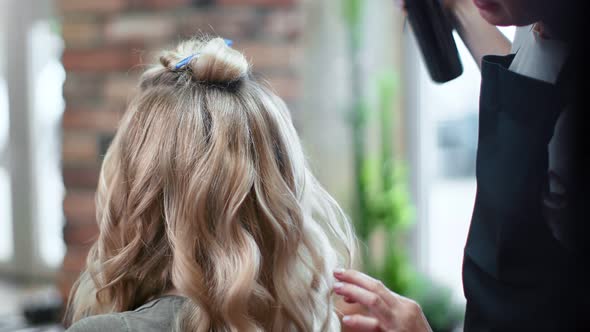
(31, 106)
(48, 106)
(6, 245)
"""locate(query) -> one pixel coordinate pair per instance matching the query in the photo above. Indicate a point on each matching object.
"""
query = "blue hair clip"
(186, 60)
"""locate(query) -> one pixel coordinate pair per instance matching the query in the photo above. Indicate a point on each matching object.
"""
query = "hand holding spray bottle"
(434, 34)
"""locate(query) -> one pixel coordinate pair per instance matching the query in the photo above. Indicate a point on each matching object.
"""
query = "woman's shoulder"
(107, 322)
(156, 315)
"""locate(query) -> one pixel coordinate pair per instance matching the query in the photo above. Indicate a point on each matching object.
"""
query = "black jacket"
(517, 275)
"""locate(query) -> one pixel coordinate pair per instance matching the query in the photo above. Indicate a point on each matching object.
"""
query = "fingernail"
(339, 270)
(346, 319)
(338, 285)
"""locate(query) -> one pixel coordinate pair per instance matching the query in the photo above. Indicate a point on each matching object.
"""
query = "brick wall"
(106, 40)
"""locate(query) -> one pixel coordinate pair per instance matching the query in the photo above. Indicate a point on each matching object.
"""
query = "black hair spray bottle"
(435, 38)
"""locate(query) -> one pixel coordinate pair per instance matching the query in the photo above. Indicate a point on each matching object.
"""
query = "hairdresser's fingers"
(349, 300)
(364, 281)
(394, 312)
(373, 302)
(361, 323)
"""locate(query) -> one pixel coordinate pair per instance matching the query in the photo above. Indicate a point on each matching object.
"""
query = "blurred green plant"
(383, 212)
(437, 303)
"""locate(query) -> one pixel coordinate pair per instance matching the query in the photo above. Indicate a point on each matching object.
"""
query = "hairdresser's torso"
(520, 272)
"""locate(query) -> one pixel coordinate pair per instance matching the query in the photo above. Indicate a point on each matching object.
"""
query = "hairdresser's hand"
(385, 310)
(480, 37)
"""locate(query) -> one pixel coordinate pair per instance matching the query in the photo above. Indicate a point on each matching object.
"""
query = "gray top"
(156, 315)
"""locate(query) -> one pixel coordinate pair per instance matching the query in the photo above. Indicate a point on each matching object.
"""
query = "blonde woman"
(209, 217)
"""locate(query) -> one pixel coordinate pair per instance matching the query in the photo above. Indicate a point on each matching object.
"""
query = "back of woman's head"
(205, 189)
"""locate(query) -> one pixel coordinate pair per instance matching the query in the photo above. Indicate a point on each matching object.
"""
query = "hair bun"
(218, 63)
(214, 61)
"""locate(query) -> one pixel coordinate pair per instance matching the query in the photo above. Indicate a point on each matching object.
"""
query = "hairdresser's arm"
(373, 307)
(480, 37)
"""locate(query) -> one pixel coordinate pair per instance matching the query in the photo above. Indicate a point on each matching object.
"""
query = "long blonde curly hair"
(205, 190)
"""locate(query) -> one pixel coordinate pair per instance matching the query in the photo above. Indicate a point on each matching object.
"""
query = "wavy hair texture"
(205, 190)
